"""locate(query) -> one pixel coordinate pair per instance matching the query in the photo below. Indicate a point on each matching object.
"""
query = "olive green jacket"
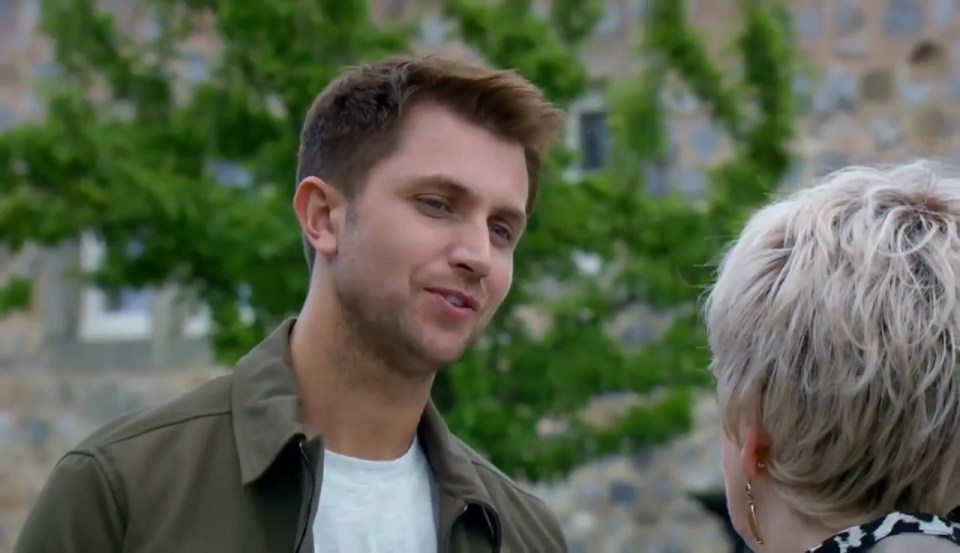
(228, 468)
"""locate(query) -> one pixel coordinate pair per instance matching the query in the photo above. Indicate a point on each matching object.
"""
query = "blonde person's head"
(834, 326)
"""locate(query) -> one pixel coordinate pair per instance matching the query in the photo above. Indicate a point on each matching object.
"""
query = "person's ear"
(754, 451)
(320, 210)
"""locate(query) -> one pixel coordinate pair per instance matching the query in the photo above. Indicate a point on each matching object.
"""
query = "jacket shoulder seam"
(105, 468)
(503, 479)
(479, 462)
(131, 435)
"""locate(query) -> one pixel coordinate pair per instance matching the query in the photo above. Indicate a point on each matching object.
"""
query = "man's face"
(426, 255)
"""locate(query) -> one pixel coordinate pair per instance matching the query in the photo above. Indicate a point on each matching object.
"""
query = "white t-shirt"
(377, 506)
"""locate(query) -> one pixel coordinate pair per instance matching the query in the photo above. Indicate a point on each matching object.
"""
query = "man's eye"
(502, 231)
(435, 203)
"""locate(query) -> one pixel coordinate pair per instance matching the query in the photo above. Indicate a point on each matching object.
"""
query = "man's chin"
(444, 357)
(443, 353)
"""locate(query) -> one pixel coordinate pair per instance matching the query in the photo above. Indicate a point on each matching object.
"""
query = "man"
(416, 176)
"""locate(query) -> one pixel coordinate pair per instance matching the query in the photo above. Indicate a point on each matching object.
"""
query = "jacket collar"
(266, 415)
(265, 403)
(455, 470)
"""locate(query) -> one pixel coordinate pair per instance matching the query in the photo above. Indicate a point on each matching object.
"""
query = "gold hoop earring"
(754, 522)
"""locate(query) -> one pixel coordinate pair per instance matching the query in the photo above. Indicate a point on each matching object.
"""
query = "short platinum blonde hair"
(834, 323)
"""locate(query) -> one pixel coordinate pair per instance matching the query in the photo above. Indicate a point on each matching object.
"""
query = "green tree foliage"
(126, 153)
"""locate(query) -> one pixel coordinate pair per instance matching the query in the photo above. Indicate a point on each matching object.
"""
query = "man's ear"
(755, 450)
(319, 207)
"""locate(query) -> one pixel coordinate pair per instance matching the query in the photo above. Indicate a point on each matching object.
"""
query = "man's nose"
(472, 252)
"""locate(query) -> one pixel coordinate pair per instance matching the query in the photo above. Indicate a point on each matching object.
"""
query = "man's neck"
(360, 406)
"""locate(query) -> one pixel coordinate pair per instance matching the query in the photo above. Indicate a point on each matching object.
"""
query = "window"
(229, 173)
(8, 25)
(26, 26)
(117, 7)
(195, 68)
(658, 177)
(612, 19)
(395, 8)
(200, 320)
(151, 26)
(433, 30)
(127, 300)
(125, 315)
(31, 106)
(7, 118)
(45, 68)
(9, 75)
(587, 133)
(660, 173)
(593, 140)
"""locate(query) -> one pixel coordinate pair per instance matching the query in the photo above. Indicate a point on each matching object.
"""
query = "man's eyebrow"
(513, 215)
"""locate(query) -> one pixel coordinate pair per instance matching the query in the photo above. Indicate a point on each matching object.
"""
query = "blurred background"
(147, 164)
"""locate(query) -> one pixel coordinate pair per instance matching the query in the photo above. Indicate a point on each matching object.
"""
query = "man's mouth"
(456, 298)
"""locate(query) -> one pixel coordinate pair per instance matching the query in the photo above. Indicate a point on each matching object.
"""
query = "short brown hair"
(354, 122)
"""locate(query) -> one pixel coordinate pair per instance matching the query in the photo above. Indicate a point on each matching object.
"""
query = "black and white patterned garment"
(862, 538)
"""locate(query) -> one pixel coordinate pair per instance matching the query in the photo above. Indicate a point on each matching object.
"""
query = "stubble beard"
(376, 329)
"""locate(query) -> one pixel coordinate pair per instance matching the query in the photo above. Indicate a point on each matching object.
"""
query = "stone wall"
(881, 84)
(647, 503)
(43, 413)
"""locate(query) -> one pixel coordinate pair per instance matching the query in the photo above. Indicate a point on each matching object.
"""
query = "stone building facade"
(883, 86)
